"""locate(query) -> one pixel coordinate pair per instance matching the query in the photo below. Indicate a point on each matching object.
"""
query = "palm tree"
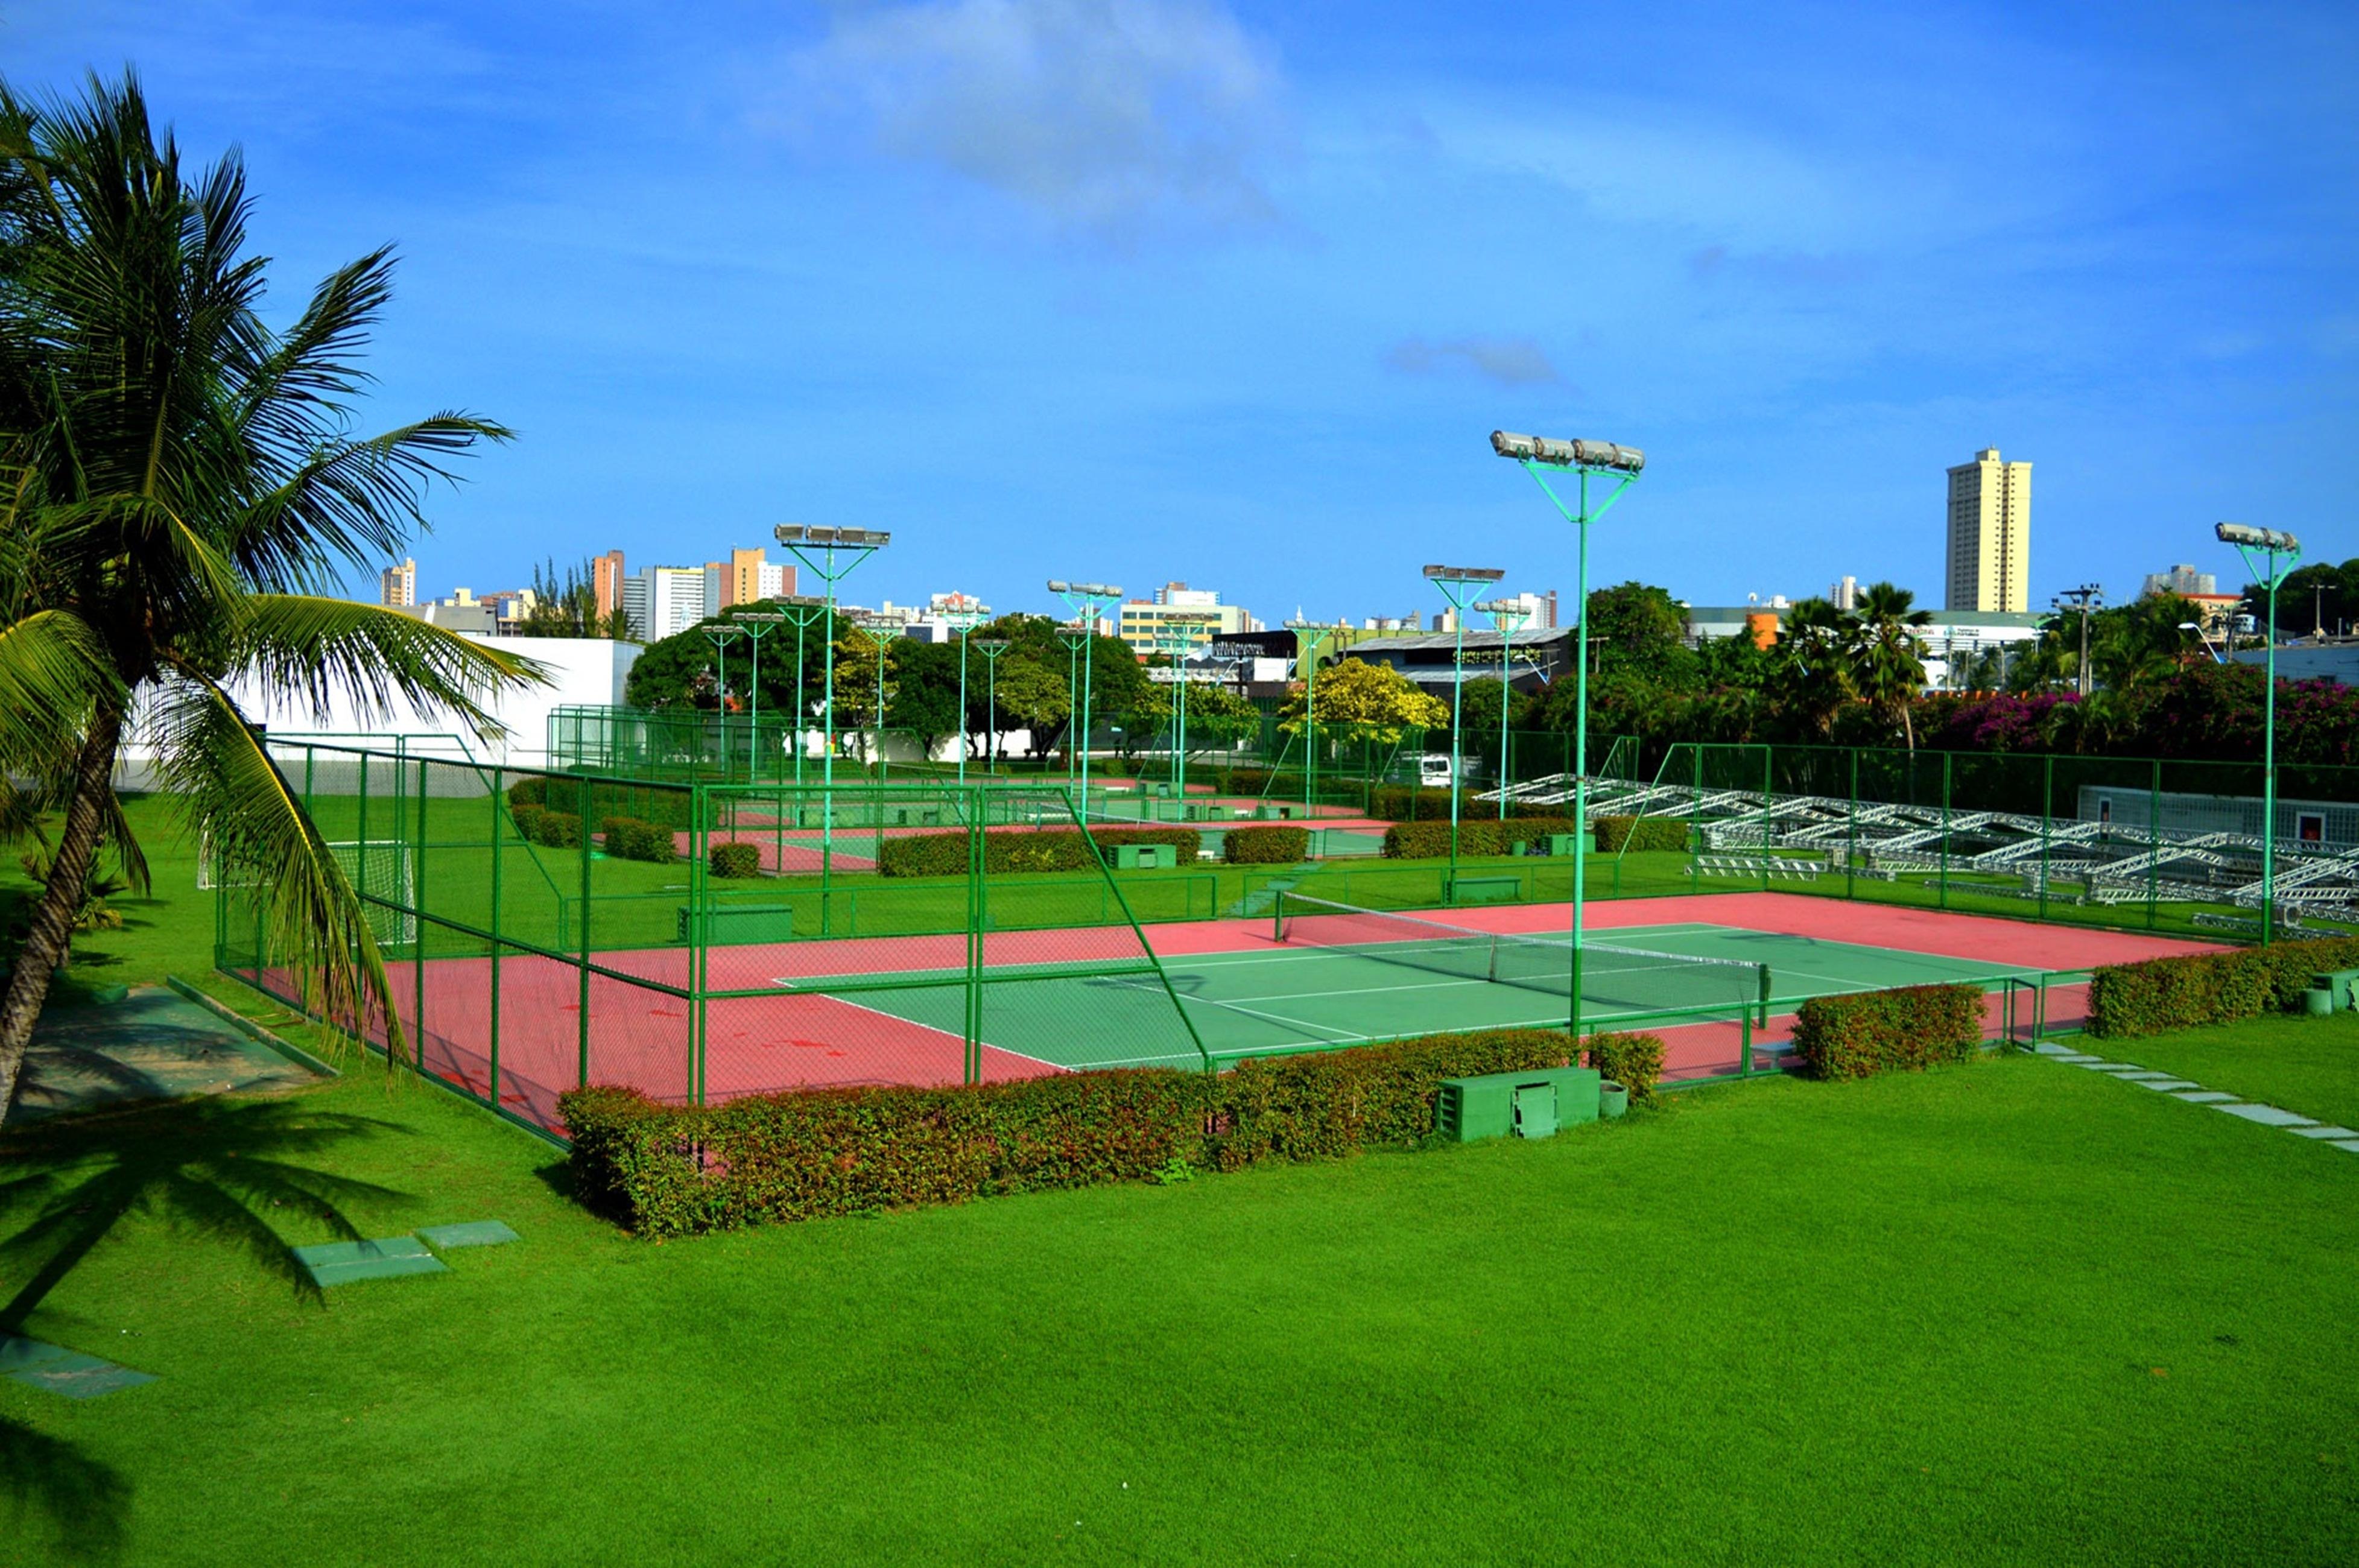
(179, 490)
(1886, 657)
(1815, 655)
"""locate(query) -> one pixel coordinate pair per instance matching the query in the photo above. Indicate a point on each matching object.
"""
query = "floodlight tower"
(819, 549)
(1307, 637)
(1173, 637)
(2280, 551)
(1541, 456)
(963, 621)
(758, 624)
(1508, 615)
(721, 636)
(1085, 599)
(992, 648)
(1459, 585)
(2085, 598)
(803, 611)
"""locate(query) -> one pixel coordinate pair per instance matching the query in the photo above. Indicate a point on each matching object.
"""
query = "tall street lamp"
(2085, 598)
(803, 611)
(834, 554)
(1459, 585)
(992, 648)
(1545, 459)
(1307, 637)
(1085, 600)
(721, 636)
(758, 624)
(1075, 640)
(1508, 615)
(1174, 636)
(2280, 551)
(963, 621)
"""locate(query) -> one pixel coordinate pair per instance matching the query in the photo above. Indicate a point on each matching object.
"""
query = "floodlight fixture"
(1083, 589)
(1502, 607)
(1085, 599)
(832, 538)
(764, 617)
(2243, 533)
(1463, 574)
(1568, 454)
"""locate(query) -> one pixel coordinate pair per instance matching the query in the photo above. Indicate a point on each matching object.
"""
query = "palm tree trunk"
(46, 945)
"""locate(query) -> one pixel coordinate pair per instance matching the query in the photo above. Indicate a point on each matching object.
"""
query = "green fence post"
(418, 921)
(2046, 818)
(499, 801)
(1851, 829)
(1695, 815)
(2153, 838)
(1745, 1043)
(1944, 901)
(700, 935)
(976, 861)
(583, 1068)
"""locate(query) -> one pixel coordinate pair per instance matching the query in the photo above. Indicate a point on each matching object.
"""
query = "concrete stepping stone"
(2327, 1131)
(2049, 1048)
(2096, 1066)
(2146, 1082)
(2350, 1148)
(2208, 1097)
(472, 1233)
(2142, 1076)
(2266, 1115)
(344, 1262)
(57, 1370)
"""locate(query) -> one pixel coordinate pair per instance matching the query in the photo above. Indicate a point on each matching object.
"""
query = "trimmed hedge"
(678, 1170)
(1616, 833)
(1867, 1033)
(528, 792)
(1634, 1061)
(1023, 849)
(2159, 994)
(735, 860)
(1487, 835)
(556, 829)
(634, 838)
(1265, 846)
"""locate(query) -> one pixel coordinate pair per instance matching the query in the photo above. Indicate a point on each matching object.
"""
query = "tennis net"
(1615, 980)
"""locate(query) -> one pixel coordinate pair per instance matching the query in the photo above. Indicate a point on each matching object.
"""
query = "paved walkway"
(2193, 1093)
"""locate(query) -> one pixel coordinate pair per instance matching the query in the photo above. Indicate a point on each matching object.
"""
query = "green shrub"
(677, 1170)
(2159, 994)
(634, 838)
(1265, 846)
(1634, 1061)
(1408, 803)
(1617, 833)
(736, 860)
(1487, 836)
(524, 815)
(1024, 849)
(556, 829)
(532, 791)
(1863, 1033)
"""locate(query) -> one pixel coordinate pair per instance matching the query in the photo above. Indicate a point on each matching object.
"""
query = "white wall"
(579, 670)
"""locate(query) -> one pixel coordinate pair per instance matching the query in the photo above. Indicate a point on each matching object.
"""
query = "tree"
(925, 691)
(1377, 697)
(681, 670)
(1032, 696)
(2314, 597)
(1638, 629)
(183, 493)
(568, 607)
(1814, 663)
(857, 659)
(1887, 657)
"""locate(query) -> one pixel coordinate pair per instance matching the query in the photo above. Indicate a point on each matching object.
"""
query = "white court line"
(1316, 1032)
(945, 1033)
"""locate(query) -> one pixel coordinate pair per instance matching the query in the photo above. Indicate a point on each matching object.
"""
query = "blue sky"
(1150, 289)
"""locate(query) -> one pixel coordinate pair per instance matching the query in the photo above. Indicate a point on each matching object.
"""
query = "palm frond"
(52, 670)
(311, 649)
(351, 502)
(230, 790)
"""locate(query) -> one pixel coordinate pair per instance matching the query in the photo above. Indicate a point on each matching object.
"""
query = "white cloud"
(1509, 361)
(1107, 115)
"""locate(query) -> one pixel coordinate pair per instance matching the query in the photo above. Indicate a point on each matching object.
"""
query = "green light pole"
(1085, 600)
(758, 624)
(1307, 637)
(964, 622)
(1459, 585)
(1539, 455)
(804, 612)
(1508, 616)
(992, 648)
(1073, 641)
(721, 637)
(2280, 551)
(881, 645)
(818, 548)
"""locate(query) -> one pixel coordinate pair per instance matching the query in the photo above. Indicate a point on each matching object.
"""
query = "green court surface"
(1294, 996)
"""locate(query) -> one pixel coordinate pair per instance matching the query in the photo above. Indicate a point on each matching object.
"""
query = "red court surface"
(785, 1040)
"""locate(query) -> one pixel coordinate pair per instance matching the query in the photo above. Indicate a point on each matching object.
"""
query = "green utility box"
(1522, 1105)
(1146, 856)
(1563, 843)
(2341, 987)
(740, 923)
(913, 817)
(1483, 889)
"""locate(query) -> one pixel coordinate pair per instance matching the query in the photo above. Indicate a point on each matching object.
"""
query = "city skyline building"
(397, 586)
(1989, 534)
(606, 581)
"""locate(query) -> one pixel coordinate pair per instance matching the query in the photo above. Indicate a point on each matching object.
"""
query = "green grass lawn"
(2306, 1065)
(2004, 1314)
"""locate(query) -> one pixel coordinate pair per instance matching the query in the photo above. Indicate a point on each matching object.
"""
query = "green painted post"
(2047, 819)
(583, 1066)
(1851, 830)
(2153, 836)
(418, 920)
(1768, 781)
(499, 805)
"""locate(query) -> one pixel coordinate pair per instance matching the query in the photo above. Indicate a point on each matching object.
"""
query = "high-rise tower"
(1990, 534)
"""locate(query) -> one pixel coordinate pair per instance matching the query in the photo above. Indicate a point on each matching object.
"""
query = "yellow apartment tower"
(1990, 534)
